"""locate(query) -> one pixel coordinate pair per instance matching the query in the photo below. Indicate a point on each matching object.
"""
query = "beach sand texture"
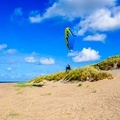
(62, 101)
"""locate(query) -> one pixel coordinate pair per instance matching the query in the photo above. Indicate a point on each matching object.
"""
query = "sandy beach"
(62, 101)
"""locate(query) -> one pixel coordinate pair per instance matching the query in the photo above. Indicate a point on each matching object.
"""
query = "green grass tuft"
(13, 114)
(23, 85)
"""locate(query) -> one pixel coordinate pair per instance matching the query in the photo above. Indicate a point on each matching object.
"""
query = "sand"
(62, 101)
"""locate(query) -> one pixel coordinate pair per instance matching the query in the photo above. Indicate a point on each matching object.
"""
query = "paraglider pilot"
(68, 67)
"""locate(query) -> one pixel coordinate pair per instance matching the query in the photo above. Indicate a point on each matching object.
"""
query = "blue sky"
(32, 35)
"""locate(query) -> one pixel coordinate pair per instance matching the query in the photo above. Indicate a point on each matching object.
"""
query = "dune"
(62, 101)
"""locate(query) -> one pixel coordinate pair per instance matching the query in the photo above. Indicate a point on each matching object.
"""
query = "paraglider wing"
(68, 34)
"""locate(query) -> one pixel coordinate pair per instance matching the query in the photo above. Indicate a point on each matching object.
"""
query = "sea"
(19, 81)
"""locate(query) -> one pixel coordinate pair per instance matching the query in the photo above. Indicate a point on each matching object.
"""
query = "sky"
(32, 41)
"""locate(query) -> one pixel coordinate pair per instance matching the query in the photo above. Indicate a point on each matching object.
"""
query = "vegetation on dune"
(88, 73)
(23, 85)
(108, 64)
(52, 77)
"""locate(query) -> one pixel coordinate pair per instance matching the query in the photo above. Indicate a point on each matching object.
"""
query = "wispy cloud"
(91, 14)
(18, 11)
(34, 53)
(86, 55)
(9, 69)
(3, 46)
(19, 77)
(94, 16)
(47, 61)
(95, 37)
(71, 9)
(19, 16)
(73, 53)
(30, 59)
(10, 51)
(35, 17)
(11, 61)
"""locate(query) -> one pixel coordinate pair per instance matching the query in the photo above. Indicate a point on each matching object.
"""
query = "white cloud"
(35, 17)
(73, 53)
(72, 9)
(47, 61)
(9, 69)
(10, 51)
(86, 55)
(94, 16)
(2, 46)
(101, 20)
(34, 53)
(30, 59)
(96, 37)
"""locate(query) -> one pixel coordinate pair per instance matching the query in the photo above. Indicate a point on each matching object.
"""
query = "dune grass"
(109, 64)
(26, 84)
(52, 77)
(13, 114)
(87, 73)
(91, 73)
(23, 85)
